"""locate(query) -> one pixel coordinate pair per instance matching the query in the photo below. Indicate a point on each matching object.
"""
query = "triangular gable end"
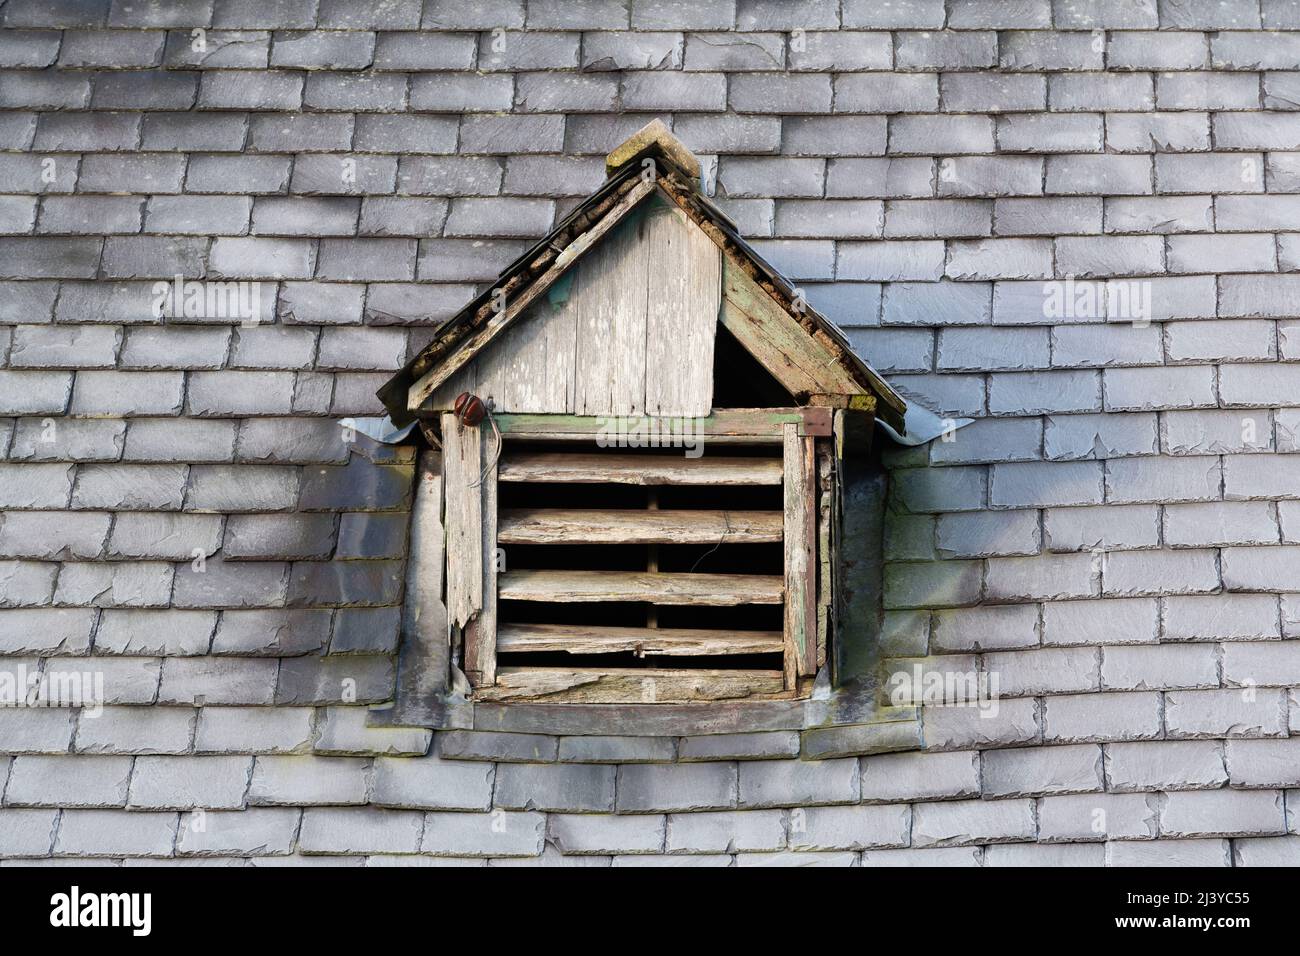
(647, 236)
(627, 330)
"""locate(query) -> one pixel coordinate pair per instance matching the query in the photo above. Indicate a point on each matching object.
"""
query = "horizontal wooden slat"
(562, 526)
(629, 685)
(739, 423)
(583, 639)
(639, 469)
(654, 587)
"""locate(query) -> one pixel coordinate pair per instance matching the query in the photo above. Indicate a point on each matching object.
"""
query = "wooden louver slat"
(624, 685)
(582, 639)
(565, 526)
(639, 469)
(701, 590)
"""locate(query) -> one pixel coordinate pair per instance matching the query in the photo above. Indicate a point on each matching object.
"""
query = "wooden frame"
(801, 437)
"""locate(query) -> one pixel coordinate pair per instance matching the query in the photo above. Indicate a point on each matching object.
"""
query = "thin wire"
(496, 457)
(726, 517)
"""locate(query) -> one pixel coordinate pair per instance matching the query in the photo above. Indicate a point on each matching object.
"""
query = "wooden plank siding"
(685, 293)
(509, 308)
(628, 332)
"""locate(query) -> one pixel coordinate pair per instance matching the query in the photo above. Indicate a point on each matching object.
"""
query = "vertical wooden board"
(685, 292)
(461, 463)
(481, 633)
(609, 298)
(562, 347)
(800, 521)
(825, 542)
(513, 372)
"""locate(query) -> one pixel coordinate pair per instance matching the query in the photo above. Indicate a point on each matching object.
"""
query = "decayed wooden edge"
(584, 639)
(631, 685)
(464, 520)
(808, 649)
(497, 320)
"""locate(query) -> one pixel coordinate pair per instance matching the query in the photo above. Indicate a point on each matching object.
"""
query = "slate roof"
(1116, 537)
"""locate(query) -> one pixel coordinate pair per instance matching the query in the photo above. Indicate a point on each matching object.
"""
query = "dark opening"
(740, 381)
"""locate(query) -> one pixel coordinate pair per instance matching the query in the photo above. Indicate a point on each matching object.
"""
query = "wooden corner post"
(800, 521)
(471, 511)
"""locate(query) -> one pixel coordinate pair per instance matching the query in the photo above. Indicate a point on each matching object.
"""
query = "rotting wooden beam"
(858, 402)
(799, 361)
(630, 685)
(493, 319)
(481, 640)
(664, 588)
(636, 526)
(622, 469)
(674, 642)
(816, 421)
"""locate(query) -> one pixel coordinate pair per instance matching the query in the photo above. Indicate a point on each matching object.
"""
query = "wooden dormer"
(649, 510)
